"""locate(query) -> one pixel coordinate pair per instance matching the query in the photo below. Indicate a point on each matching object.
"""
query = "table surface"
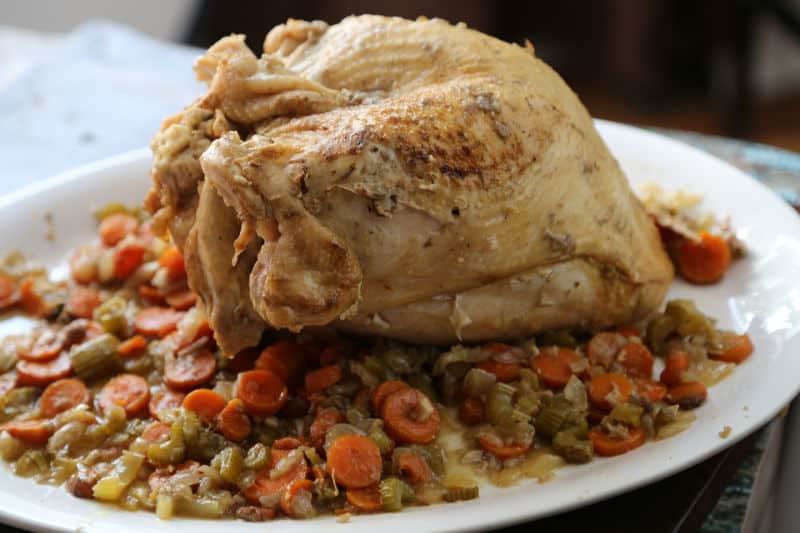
(104, 89)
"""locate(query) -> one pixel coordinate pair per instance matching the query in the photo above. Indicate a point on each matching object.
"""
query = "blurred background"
(727, 67)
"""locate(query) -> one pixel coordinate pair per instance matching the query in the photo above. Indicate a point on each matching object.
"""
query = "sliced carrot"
(284, 358)
(603, 348)
(206, 403)
(42, 374)
(45, 348)
(367, 500)
(383, 390)
(182, 300)
(164, 399)
(637, 360)
(264, 486)
(83, 265)
(688, 395)
(151, 295)
(172, 261)
(116, 227)
(652, 391)
(261, 391)
(607, 446)
(503, 371)
(157, 321)
(32, 303)
(677, 361)
(291, 492)
(502, 451)
(157, 432)
(324, 421)
(471, 411)
(189, 370)
(233, 421)
(410, 417)
(133, 346)
(705, 261)
(31, 432)
(600, 387)
(414, 468)
(355, 461)
(128, 391)
(62, 395)
(735, 348)
(320, 379)
(553, 365)
(82, 302)
(287, 443)
(161, 476)
(127, 258)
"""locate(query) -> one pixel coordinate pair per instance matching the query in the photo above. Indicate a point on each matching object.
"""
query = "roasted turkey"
(410, 179)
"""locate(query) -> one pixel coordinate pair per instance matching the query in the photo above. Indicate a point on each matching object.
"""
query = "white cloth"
(98, 91)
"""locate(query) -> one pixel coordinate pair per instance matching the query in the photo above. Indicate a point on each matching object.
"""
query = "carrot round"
(705, 261)
(553, 366)
(320, 379)
(629, 331)
(637, 360)
(324, 421)
(157, 321)
(265, 486)
(233, 422)
(164, 399)
(181, 300)
(286, 443)
(189, 370)
(127, 258)
(603, 348)
(45, 348)
(735, 348)
(503, 371)
(410, 417)
(355, 461)
(83, 265)
(471, 411)
(607, 446)
(31, 432)
(206, 403)
(284, 358)
(30, 300)
(7, 287)
(172, 261)
(116, 227)
(62, 395)
(131, 347)
(128, 391)
(157, 432)
(292, 491)
(502, 451)
(151, 295)
(688, 395)
(383, 390)
(652, 391)
(367, 500)
(262, 392)
(414, 468)
(677, 361)
(82, 302)
(42, 374)
(601, 386)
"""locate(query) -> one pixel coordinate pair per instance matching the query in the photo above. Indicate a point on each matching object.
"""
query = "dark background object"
(683, 64)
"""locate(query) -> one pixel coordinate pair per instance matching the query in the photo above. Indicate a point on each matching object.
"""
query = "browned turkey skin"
(411, 179)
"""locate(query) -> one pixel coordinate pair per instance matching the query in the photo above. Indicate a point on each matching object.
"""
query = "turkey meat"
(410, 179)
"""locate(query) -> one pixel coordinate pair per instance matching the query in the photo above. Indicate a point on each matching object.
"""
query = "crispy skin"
(415, 180)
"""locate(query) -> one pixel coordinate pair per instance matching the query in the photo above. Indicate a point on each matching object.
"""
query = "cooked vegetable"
(261, 392)
(367, 499)
(63, 395)
(206, 403)
(410, 417)
(229, 462)
(500, 450)
(608, 445)
(608, 390)
(31, 432)
(111, 314)
(456, 494)
(627, 413)
(354, 461)
(394, 492)
(658, 331)
(186, 371)
(733, 348)
(553, 366)
(82, 302)
(96, 358)
(637, 360)
(162, 400)
(116, 226)
(132, 347)
(111, 487)
(705, 261)
(322, 378)
(677, 362)
(128, 391)
(573, 445)
(42, 374)
(157, 321)
(688, 395)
